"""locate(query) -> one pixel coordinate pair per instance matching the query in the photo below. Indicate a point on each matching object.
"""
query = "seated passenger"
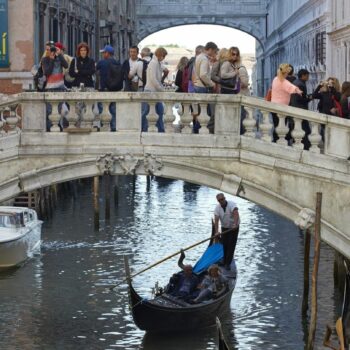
(184, 283)
(213, 284)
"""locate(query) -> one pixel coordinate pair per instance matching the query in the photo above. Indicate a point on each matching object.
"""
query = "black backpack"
(144, 71)
(115, 77)
(39, 80)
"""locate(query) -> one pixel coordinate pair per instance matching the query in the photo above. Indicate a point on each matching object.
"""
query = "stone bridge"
(282, 178)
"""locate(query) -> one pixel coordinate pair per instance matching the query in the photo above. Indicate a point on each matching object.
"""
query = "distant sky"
(190, 36)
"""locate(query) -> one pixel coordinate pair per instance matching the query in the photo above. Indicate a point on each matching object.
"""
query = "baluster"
(315, 137)
(203, 119)
(152, 117)
(249, 123)
(282, 130)
(12, 120)
(72, 115)
(298, 134)
(88, 115)
(169, 117)
(106, 117)
(266, 127)
(2, 123)
(54, 117)
(186, 118)
(97, 121)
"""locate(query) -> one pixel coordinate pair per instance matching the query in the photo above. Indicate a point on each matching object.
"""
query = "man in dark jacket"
(103, 68)
(302, 101)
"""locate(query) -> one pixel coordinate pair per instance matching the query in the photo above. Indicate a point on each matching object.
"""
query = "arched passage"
(124, 165)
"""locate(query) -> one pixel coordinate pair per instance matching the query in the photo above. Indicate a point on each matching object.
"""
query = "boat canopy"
(212, 255)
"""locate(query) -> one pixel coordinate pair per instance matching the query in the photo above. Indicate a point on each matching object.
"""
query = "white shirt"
(133, 69)
(154, 76)
(226, 217)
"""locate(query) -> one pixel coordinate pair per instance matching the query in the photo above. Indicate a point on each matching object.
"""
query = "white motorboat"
(20, 235)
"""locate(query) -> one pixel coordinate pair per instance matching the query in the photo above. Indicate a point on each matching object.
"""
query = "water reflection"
(61, 299)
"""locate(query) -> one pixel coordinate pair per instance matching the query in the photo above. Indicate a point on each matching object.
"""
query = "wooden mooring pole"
(96, 203)
(313, 320)
(107, 179)
(305, 304)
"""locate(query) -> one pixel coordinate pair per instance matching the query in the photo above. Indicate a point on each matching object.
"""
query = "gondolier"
(227, 213)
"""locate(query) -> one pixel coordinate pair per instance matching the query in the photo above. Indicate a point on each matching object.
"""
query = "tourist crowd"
(210, 71)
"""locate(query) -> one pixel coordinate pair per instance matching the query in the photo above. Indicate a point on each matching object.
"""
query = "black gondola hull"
(151, 317)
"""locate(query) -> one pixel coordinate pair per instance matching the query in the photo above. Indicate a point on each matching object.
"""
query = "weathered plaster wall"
(21, 35)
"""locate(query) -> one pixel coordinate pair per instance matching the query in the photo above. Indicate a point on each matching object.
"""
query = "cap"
(50, 43)
(109, 49)
(60, 46)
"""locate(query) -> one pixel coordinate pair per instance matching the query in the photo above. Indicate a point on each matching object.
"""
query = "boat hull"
(155, 318)
(16, 251)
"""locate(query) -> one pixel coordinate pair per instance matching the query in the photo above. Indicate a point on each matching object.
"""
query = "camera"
(53, 49)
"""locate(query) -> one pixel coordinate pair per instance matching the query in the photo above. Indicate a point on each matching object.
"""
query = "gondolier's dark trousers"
(229, 241)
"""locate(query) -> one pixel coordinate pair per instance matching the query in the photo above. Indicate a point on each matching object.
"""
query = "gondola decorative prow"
(340, 325)
(222, 341)
(127, 270)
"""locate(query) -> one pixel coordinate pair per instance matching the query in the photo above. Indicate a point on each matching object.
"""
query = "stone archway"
(169, 168)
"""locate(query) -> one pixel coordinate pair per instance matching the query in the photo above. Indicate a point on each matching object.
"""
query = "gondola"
(342, 325)
(166, 313)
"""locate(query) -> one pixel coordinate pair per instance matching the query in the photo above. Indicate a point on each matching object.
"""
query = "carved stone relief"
(107, 163)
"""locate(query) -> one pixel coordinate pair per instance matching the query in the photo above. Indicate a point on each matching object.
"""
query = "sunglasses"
(221, 199)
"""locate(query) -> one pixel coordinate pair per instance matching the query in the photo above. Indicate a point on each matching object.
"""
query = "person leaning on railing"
(281, 92)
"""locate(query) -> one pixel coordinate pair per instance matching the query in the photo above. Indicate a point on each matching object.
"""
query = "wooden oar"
(169, 257)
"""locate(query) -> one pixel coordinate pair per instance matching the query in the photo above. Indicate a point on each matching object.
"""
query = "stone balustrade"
(84, 110)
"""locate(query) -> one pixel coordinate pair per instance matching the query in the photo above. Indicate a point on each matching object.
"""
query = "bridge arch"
(231, 183)
(241, 27)
(245, 15)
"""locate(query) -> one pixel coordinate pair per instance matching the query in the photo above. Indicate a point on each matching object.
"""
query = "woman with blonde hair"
(215, 71)
(282, 89)
(233, 68)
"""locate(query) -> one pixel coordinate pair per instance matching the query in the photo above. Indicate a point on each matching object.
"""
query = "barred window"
(321, 48)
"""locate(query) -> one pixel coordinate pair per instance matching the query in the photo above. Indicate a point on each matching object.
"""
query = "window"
(321, 48)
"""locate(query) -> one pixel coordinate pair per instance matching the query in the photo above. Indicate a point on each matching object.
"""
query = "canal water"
(60, 299)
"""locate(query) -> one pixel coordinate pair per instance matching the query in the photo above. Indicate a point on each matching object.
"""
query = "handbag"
(67, 76)
(233, 84)
(268, 96)
(230, 82)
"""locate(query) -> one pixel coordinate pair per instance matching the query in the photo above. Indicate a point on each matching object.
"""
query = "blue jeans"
(144, 112)
(112, 110)
(196, 124)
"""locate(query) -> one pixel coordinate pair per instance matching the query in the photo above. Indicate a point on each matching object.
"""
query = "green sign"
(4, 40)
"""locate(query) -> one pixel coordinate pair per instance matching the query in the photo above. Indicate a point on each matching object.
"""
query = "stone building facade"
(311, 34)
(33, 22)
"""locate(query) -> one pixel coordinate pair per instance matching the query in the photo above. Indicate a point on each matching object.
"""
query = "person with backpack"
(130, 68)
(139, 70)
(201, 77)
(302, 101)
(52, 65)
(110, 78)
(187, 84)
